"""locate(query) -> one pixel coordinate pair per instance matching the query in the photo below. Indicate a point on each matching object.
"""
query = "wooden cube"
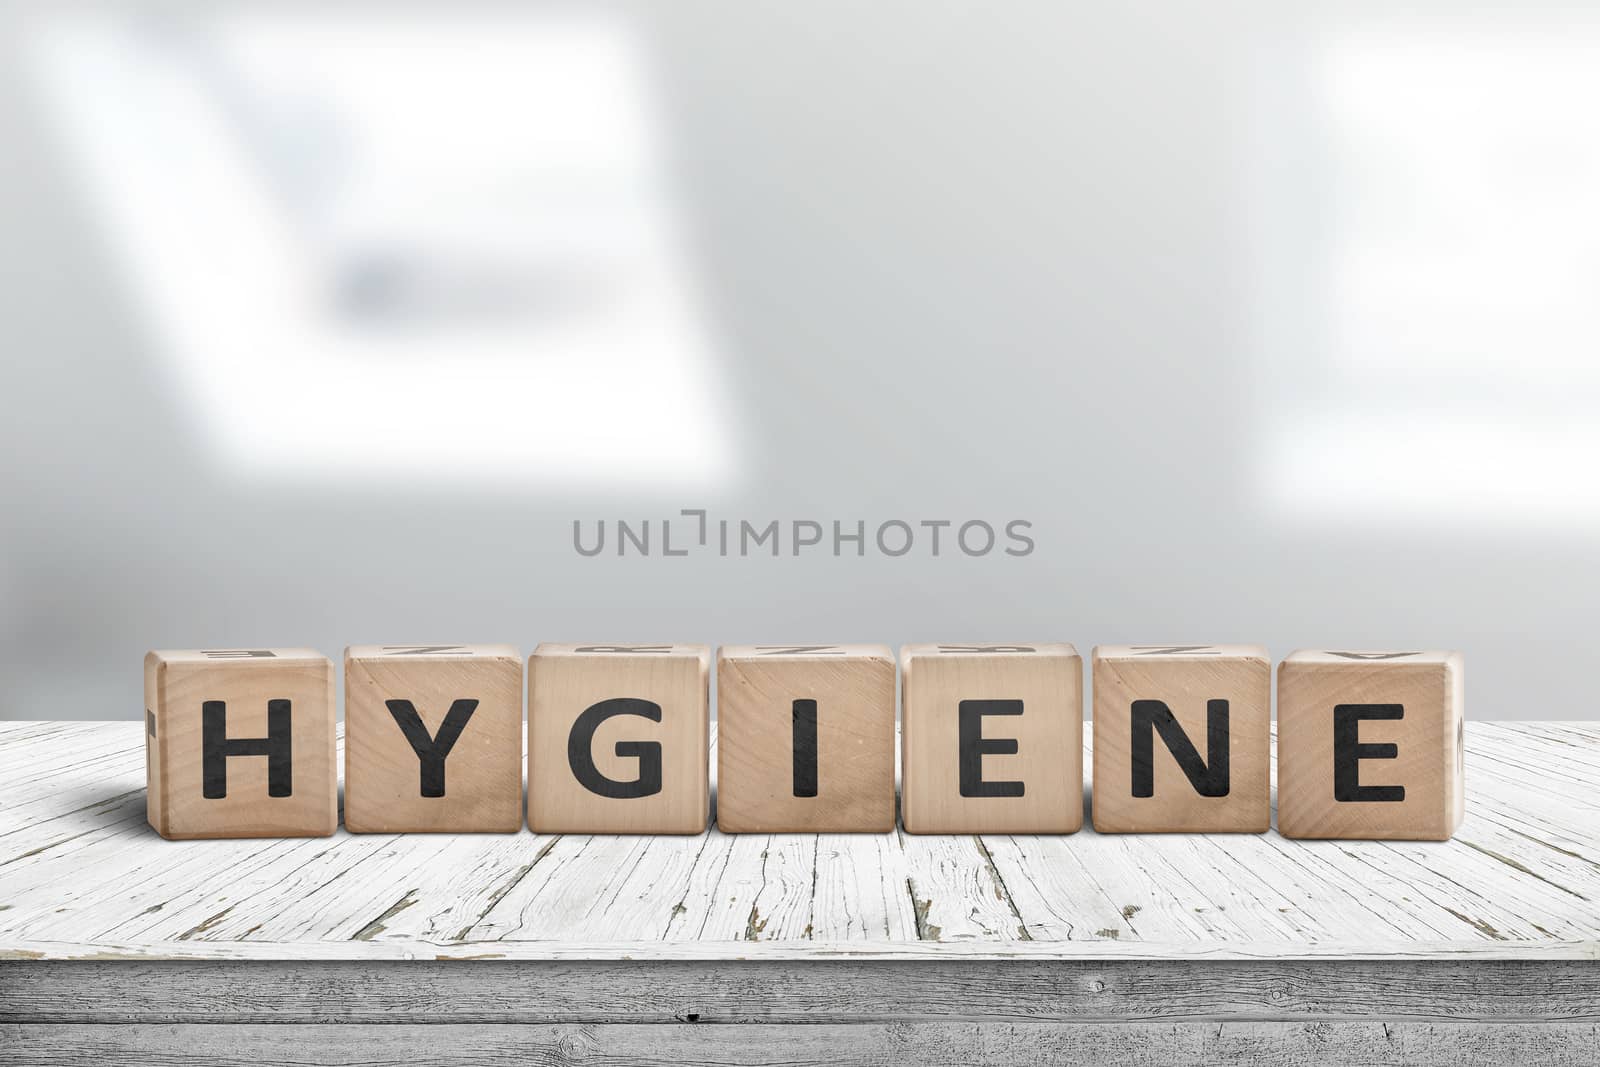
(1182, 739)
(239, 742)
(619, 739)
(1370, 745)
(432, 738)
(805, 738)
(992, 739)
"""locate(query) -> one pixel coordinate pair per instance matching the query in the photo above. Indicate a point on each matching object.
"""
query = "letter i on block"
(805, 739)
(1182, 739)
(1370, 745)
(239, 742)
(991, 739)
(432, 738)
(619, 739)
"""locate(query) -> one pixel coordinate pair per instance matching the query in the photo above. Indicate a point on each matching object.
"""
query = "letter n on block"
(991, 739)
(619, 739)
(1370, 745)
(1182, 739)
(432, 738)
(240, 743)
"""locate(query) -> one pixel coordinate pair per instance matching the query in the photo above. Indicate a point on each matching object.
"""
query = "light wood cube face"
(619, 739)
(433, 738)
(1182, 739)
(805, 738)
(992, 739)
(1370, 745)
(240, 743)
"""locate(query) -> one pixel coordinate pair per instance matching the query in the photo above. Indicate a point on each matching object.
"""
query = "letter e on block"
(240, 743)
(619, 739)
(991, 739)
(1370, 745)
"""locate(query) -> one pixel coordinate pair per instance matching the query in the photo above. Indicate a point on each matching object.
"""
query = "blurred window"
(421, 244)
(1428, 280)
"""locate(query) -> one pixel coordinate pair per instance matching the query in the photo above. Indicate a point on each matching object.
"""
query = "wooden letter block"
(1182, 739)
(1370, 745)
(239, 742)
(805, 738)
(993, 739)
(619, 739)
(432, 738)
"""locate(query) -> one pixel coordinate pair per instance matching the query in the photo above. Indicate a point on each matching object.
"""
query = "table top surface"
(83, 876)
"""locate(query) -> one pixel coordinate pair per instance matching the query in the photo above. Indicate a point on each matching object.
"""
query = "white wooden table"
(118, 946)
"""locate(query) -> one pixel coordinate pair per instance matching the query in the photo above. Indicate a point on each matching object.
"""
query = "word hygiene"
(240, 742)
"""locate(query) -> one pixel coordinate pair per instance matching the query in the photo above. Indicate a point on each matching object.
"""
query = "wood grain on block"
(619, 739)
(240, 743)
(433, 738)
(1182, 739)
(1370, 745)
(992, 739)
(805, 738)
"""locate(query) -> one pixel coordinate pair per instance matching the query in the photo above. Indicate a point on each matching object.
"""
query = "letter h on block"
(991, 739)
(619, 739)
(240, 743)
(1370, 745)
(1182, 739)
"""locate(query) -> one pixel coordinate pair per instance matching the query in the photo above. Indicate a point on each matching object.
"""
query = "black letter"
(974, 746)
(216, 747)
(1348, 752)
(432, 750)
(805, 748)
(581, 758)
(1210, 779)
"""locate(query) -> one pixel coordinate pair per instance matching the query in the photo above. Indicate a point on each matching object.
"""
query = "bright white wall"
(1275, 320)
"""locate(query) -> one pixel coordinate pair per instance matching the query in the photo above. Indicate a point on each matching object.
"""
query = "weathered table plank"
(878, 1044)
(871, 949)
(81, 875)
(760, 991)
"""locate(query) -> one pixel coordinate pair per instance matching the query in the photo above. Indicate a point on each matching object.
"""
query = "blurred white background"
(321, 323)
